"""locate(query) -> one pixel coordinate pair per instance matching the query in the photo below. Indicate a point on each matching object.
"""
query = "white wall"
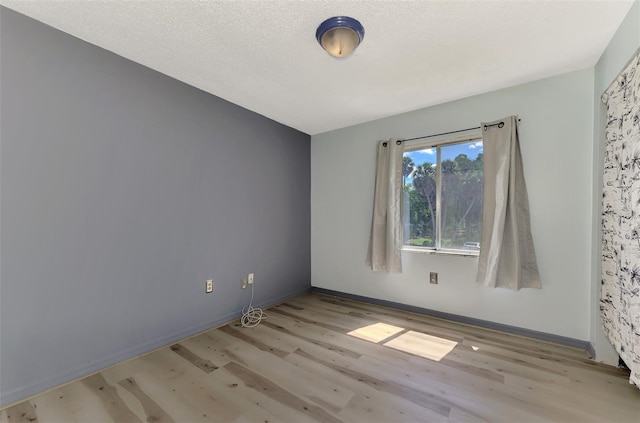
(618, 52)
(556, 136)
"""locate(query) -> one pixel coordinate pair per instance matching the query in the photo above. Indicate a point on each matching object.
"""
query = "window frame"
(437, 142)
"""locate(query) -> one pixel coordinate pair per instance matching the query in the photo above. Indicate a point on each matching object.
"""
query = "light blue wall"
(122, 191)
(556, 135)
(561, 136)
(623, 45)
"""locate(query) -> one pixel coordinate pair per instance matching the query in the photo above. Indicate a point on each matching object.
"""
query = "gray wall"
(122, 191)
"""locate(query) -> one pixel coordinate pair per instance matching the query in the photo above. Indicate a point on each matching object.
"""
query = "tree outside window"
(443, 195)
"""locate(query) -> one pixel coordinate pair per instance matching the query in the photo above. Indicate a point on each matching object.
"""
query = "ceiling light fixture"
(340, 35)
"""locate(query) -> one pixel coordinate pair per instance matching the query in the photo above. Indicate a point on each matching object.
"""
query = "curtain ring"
(499, 125)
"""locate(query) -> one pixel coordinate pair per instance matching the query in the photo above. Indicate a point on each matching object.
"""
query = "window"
(442, 202)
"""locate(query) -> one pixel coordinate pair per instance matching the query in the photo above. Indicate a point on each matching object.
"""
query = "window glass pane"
(419, 207)
(461, 205)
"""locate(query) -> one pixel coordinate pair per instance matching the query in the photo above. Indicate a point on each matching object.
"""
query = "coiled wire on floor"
(252, 316)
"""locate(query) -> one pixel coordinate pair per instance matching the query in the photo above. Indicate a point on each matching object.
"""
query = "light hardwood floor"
(321, 358)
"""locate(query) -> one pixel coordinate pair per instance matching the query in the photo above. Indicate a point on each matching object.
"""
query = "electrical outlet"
(433, 278)
(209, 286)
(250, 278)
(244, 283)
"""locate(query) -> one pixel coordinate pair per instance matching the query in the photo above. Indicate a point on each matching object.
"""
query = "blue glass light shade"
(340, 35)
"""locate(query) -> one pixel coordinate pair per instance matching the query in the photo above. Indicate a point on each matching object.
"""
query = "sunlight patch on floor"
(409, 341)
(376, 332)
(422, 345)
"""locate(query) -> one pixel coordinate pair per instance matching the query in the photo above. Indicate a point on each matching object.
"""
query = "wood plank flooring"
(321, 358)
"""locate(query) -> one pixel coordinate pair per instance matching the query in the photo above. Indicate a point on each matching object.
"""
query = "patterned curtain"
(620, 294)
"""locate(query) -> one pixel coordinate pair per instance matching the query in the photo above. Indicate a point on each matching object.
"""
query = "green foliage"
(419, 216)
(461, 208)
(407, 166)
(422, 242)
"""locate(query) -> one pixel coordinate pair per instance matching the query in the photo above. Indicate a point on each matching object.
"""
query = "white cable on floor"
(251, 316)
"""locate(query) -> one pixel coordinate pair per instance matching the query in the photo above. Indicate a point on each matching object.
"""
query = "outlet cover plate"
(209, 286)
(433, 278)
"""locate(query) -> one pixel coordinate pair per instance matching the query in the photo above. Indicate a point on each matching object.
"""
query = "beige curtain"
(385, 242)
(507, 256)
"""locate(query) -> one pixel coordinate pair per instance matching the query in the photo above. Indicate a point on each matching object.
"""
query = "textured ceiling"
(263, 55)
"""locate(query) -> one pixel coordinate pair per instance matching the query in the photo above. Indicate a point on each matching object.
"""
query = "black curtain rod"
(484, 127)
(451, 132)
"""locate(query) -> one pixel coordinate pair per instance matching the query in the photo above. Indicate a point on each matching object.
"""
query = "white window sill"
(457, 253)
